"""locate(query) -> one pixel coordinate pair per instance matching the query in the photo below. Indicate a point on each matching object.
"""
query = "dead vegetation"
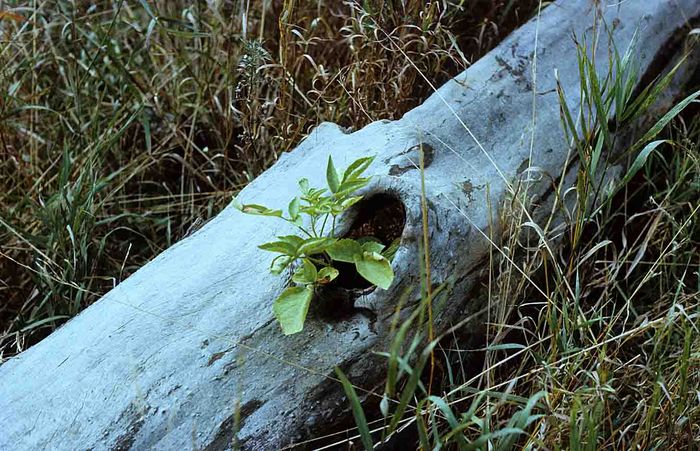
(125, 125)
(123, 128)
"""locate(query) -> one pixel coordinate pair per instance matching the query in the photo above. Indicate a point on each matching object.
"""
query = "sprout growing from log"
(315, 250)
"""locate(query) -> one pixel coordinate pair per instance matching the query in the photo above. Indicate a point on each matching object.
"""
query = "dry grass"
(122, 129)
(594, 320)
(126, 125)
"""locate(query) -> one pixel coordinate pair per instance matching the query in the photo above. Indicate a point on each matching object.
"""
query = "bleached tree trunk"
(167, 358)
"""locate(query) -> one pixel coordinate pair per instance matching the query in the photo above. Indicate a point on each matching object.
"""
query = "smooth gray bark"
(164, 359)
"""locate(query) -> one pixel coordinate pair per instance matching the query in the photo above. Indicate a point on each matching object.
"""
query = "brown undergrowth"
(126, 125)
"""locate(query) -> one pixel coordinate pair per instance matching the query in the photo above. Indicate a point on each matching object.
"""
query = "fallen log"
(186, 352)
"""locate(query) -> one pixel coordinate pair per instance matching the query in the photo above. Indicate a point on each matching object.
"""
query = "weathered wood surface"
(163, 359)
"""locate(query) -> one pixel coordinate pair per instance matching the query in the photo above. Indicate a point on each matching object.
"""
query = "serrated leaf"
(327, 275)
(291, 307)
(279, 246)
(375, 269)
(306, 274)
(332, 176)
(345, 250)
(316, 245)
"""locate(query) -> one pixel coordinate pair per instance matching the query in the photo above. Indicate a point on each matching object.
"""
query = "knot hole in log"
(381, 217)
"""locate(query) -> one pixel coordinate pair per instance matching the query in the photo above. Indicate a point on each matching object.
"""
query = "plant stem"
(323, 226)
(299, 227)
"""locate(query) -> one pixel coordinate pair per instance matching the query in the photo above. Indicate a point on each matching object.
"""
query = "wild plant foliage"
(316, 249)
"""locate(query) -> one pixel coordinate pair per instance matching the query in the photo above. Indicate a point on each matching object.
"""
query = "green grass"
(593, 332)
(123, 129)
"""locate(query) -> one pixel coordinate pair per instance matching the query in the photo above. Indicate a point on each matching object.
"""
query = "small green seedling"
(314, 251)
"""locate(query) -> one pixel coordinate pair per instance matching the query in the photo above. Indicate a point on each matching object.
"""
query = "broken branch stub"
(185, 353)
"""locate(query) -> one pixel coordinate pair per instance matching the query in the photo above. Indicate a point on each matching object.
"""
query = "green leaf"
(304, 185)
(397, 346)
(279, 246)
(356, 168)
(390, 251)
(372, 246)
(641, 159)
(312, 194)
(41, 322)
(375, 269)
(280, 263)
(332, 176)
(350, 201)
(420, 421)
(316, 245)
(306, 274)
(350, 186)
(236, 204)
(309, 270)
(325, 207)
(311, 211)
(291, 307)
(327, 275)
(336, 209)
(345, 250)
(293, 240)
(357, 412)
(447, 412)
(294, 209)
(410, 388)
(254, 209)
(672, 113)
(148, 9)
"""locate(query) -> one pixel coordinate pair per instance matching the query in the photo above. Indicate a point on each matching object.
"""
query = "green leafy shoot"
(314, 251)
